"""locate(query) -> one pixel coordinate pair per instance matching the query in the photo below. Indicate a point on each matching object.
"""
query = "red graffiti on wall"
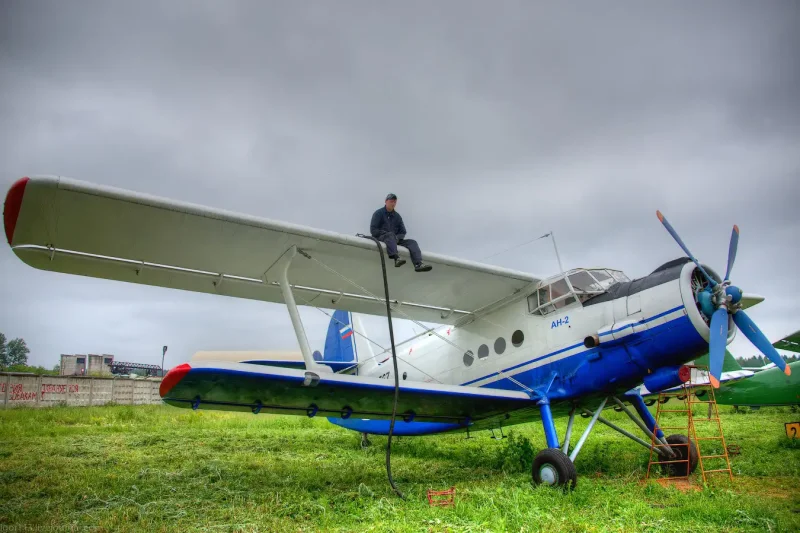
(17, 391)
(52, 388)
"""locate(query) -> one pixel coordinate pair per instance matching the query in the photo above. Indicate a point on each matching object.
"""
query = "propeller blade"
(683, 246)
(759, 340)
(732, 250)
(718, 336)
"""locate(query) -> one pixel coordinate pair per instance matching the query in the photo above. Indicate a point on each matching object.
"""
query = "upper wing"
(63, 225)
(790, 342)
(242, 386)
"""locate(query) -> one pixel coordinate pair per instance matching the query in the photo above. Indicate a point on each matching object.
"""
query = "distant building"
(84, 365)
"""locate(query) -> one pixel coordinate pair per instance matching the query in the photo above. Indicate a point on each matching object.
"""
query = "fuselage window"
(483, 352)
(499, 345)
(469, 357)
(517, 338)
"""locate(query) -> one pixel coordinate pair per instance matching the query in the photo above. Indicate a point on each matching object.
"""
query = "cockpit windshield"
(578, 285)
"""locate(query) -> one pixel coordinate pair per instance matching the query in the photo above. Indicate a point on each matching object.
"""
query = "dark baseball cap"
(391, 196)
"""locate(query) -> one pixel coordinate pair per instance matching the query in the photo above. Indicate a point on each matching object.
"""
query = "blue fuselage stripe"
(562, 350)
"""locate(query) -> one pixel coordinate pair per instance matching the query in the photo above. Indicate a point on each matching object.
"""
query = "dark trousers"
(391, 245)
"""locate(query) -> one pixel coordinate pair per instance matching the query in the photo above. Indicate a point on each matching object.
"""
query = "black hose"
(394, 360)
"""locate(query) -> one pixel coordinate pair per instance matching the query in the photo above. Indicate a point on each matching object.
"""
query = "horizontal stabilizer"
(258, 388)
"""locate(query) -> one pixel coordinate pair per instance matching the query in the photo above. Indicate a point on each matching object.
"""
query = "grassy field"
(158, 468)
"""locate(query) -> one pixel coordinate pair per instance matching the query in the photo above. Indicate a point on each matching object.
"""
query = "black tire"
(648, 403)
(679, 469)
(552, 467)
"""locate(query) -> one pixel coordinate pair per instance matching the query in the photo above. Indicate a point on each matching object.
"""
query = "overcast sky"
(493, 122)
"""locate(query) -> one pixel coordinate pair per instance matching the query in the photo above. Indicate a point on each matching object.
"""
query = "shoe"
(399, 262)
(422, 267)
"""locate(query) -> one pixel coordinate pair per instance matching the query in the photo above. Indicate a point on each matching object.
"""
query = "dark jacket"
(385, 222)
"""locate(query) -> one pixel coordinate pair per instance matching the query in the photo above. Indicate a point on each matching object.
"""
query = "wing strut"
(282, 266)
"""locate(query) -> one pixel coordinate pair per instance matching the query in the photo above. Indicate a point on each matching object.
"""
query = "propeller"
(716, 301)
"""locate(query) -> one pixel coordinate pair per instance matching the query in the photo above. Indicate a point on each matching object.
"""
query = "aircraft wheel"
(552, 467)
(648, 403)
(679, 469)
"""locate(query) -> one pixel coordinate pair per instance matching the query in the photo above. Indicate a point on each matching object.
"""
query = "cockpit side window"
(579, 285)
(582, 281)
(601, 275)
(539, 298)
(558, 288)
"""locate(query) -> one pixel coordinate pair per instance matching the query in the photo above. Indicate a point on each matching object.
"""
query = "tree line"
(758, 360)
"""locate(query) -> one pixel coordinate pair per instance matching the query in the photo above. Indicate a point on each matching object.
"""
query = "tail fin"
(347, 342)
(729, 364)
(340, 341)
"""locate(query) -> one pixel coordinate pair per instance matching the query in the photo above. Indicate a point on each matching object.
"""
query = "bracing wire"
(431, 330)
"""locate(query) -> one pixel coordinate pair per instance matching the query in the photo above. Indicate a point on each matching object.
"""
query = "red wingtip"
(12, 206)
(714, 382)
(787, 371)
(660, 216)
(172, 378)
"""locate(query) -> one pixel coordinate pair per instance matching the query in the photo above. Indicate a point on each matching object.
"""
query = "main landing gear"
(552, 466)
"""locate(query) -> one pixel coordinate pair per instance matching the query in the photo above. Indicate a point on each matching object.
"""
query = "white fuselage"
(481, 353)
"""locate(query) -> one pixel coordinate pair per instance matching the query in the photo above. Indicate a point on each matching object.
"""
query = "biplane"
(509, 346)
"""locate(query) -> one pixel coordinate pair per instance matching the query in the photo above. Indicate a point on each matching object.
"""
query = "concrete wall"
(46, 391)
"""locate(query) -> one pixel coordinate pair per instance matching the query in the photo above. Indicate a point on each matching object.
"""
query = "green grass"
(158, 468)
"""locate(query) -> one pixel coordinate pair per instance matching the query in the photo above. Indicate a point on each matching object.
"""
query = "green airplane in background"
(752, 387)
(767, 386)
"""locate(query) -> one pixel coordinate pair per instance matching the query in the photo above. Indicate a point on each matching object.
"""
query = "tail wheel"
(552, 467)
(679, 446)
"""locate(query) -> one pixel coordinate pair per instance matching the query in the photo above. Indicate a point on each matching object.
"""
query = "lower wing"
(251, 387)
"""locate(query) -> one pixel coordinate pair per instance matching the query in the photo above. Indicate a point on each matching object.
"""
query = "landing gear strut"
(553, 467)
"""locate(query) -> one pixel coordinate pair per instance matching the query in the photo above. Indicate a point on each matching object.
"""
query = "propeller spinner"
(716, 301)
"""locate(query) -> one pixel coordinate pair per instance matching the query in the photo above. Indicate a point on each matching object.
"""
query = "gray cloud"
(493, 123)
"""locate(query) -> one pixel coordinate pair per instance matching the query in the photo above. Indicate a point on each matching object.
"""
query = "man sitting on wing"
(387, 226)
